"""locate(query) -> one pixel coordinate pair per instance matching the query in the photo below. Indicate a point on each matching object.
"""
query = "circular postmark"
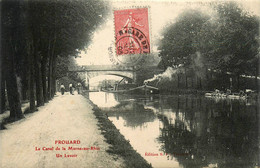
(131, 46)
(136, 64)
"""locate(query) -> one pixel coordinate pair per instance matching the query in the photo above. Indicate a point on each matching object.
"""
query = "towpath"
(66, 117)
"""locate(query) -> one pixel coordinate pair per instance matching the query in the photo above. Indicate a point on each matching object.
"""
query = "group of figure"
(71, 88)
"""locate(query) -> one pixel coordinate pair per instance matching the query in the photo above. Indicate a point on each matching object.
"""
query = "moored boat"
(218, 94)
(234, 96)
(144, 89)
(209, 94)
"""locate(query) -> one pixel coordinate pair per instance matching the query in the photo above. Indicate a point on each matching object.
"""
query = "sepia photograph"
(129, 84)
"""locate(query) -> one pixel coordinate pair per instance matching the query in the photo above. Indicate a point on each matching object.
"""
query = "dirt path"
(66, 117)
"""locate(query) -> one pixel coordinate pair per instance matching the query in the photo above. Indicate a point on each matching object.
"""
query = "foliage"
(225, 42)
(64, 65)
(37, 34)
(181, 38)
(237, 32)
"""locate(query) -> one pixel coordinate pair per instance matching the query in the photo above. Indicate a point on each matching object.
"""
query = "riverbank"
(253, 96)
(63, 133)
(120, 146)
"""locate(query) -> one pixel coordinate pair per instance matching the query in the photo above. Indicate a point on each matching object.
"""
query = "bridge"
(136, 76)
(97, 70)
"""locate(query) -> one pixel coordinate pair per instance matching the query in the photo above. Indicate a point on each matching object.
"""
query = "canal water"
(186, 131)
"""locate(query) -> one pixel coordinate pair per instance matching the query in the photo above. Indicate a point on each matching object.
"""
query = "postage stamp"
(132, 38)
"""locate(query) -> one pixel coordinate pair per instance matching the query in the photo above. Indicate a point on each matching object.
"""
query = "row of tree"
(34, 34)
(66, 73)
(225, 42)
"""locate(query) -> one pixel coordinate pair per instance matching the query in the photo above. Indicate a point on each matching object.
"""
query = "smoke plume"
(166, 74)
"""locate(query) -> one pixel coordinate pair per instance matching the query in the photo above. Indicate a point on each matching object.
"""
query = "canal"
(186, 131)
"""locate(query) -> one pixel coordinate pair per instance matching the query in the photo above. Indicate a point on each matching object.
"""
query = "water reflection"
(187, 131)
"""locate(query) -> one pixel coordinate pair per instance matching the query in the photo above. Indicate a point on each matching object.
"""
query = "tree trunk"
(197, 82)
(31, 81)
(13, 96)
(54, 76)
(44, 75)
(200, 83)
(50, 77)
(11, 84)
(178, 105)
(24, 83)
(238, 82)
(256, 80)
(9, 46)
(2, 80)
(38, 79)
(51, 65)
(2, 94)
(24, 74)
(39, 87)
(186, 79)
(178, 81)
(30, 57)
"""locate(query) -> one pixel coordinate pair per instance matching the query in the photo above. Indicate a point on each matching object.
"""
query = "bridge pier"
(87, 82)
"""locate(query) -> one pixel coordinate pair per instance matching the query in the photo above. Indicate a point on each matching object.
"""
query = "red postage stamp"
(132, 31)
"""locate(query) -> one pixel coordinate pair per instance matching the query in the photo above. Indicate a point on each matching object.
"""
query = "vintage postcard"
(129, 84)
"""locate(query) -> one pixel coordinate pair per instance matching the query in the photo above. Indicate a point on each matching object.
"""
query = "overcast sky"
(161, 13)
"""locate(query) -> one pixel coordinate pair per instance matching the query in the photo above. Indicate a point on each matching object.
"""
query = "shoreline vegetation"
(254, 95)
(119, 145)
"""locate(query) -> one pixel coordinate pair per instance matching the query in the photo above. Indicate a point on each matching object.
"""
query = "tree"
(238, 33)
(35, 34)
(181, 44)
(59, 29)
(11, 24)
(225, 43)
(181, 38)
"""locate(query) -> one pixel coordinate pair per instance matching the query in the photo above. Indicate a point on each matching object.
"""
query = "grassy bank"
(120, 146)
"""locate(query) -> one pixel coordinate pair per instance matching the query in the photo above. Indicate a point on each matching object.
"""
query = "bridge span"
(136, 75)
(97, 70)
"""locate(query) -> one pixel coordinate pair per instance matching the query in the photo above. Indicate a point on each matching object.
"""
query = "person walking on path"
(71, 88)
(62, 89)
(78, 87)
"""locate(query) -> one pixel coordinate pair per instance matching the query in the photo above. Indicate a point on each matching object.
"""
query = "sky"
(161, 13)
